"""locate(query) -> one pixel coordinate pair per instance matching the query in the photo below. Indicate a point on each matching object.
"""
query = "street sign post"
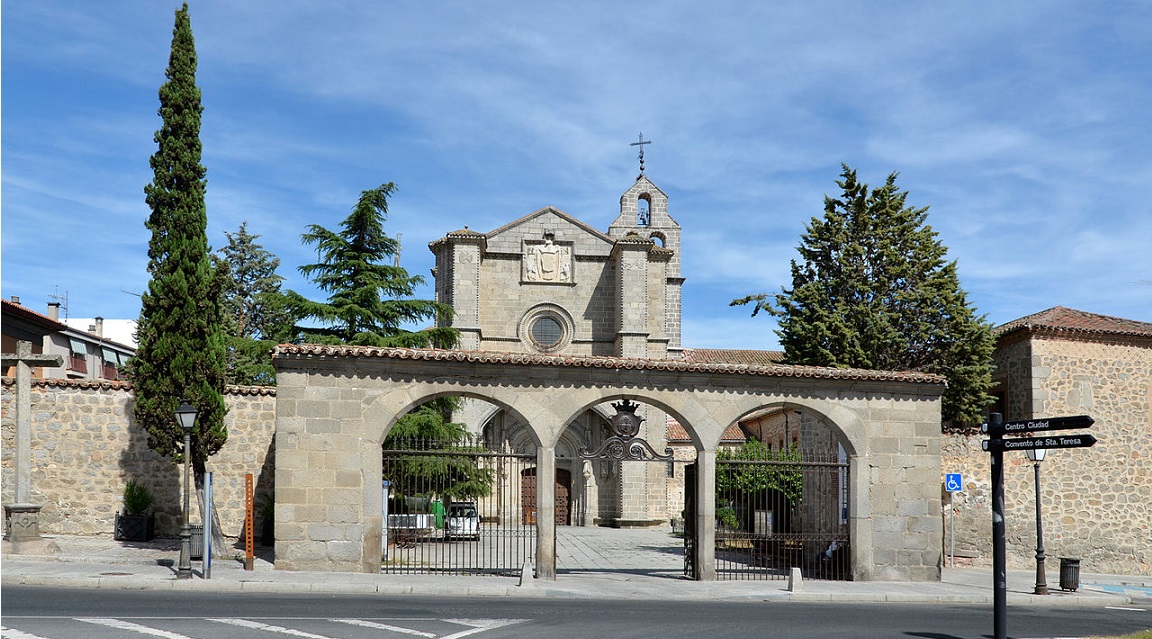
(1043, 424)
(953, 483)
(996, 428)
(1032, 443)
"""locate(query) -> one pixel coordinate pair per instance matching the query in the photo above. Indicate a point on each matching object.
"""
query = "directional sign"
(1032, 443)
(953, 482)
(1042, 424)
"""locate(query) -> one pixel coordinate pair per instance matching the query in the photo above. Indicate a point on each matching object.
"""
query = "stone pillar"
(466, 258)
(632, 332)
(591, 495)
(546, 513)
(22, 517)
(705, 515)
(633, 494)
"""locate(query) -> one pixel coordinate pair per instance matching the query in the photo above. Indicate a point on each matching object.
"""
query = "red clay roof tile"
(1060, 318)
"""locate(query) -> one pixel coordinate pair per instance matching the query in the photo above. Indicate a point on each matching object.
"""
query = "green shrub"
(137, 498)
(727, 518)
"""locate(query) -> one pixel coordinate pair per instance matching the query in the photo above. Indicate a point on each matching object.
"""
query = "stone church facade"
(548, 283)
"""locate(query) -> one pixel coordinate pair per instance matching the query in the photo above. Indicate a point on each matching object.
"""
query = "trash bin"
(1069, 574)
(198, 543)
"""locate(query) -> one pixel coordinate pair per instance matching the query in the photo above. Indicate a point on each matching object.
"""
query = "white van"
(463, 521)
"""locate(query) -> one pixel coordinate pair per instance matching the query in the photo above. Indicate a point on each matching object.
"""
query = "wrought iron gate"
(690, 521)
(457, 507)
(776, 513)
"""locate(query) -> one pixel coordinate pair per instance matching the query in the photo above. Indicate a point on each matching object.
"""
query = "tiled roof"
(1060, 318)
(732, 356)
(564, 361)
(60, 382)
(676, 434)
(28, 314)
(109, 384)
(462, 234)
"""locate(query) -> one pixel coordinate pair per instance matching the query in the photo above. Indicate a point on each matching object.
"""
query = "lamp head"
(186, 415)
(1036, 454)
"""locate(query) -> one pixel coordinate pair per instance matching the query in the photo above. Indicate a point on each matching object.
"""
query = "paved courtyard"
(652, 552)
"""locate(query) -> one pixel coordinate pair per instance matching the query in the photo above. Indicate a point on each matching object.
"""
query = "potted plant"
(135, 523)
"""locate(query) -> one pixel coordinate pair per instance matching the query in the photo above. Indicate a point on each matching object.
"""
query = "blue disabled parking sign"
(953, 482)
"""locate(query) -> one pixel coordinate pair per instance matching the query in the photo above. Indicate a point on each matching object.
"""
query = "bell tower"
(644, 216)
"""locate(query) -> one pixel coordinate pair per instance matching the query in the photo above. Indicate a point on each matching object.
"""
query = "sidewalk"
(96, 562)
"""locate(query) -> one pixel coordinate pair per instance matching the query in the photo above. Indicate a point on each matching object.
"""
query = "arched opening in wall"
(644, 210)
(451, 496)
(782, 497)
(658, 238)
(626, 496)
(610, 513)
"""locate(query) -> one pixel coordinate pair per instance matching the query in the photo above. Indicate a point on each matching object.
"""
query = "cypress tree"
(180, 353)
(873, 290)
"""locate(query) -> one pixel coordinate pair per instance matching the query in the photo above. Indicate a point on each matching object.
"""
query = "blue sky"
(1024, 126)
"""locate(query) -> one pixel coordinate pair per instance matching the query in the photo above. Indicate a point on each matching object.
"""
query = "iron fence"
(458, 507)
(773, 514)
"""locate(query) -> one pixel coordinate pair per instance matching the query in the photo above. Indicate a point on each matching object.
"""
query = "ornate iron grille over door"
(456, 507)
(626, 443)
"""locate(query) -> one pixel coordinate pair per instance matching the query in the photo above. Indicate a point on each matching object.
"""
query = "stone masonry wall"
(1096, 502)
(85, 448)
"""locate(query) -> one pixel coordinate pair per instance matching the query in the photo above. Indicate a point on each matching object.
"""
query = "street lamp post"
(186, 417)
(1037, 456)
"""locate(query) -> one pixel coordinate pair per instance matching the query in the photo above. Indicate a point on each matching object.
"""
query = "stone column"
(632, 333)
(706, 514)
(22, 518)
(465, 280)
(546, 513)
(591, 495)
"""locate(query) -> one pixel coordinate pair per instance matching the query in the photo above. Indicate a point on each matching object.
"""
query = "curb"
(105, 582)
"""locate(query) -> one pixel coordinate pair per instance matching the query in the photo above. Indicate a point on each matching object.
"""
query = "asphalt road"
(52, 613)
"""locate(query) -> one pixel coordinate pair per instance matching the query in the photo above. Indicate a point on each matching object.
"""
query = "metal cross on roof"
(640, 143)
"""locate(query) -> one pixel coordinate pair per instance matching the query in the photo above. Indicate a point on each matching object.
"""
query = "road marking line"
(134, 627)
(479, 625)
(382, 626)
(256, 625)
(10, 633)
(1128, 609)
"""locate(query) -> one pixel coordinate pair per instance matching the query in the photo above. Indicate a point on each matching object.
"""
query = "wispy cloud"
(1022, 126)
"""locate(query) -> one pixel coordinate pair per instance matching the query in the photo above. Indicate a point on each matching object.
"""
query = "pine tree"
(181, 342)
(369, 298)
(873, 290)
(255, 312)
(439, 456)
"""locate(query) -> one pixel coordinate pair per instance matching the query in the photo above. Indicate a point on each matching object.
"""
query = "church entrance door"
(563, 497)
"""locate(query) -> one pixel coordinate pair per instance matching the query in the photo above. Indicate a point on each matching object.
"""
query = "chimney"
(54, 311)
(99, 327)
(15, 299)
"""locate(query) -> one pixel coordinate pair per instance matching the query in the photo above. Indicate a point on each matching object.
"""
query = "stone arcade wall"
(1096, 502)
(84, 449)
(336, 404)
